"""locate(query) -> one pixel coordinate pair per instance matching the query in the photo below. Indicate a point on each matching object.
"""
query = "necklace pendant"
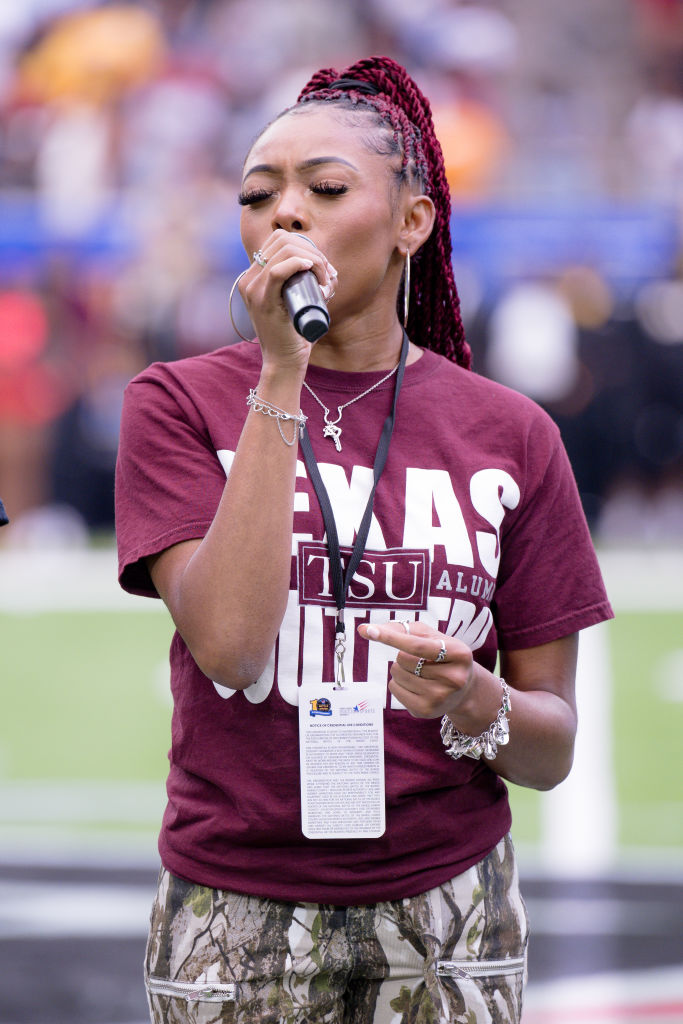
(333, 431)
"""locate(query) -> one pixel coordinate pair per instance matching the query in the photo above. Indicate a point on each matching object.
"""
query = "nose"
(289, 212)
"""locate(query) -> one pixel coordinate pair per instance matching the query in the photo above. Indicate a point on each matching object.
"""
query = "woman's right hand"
(285, 253)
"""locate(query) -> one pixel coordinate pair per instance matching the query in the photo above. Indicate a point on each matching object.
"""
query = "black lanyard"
(341, 581)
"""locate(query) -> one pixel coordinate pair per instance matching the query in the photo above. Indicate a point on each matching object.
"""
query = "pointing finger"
(421, 641)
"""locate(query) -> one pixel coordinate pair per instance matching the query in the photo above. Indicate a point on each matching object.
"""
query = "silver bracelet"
(458, 744)
(262, 405)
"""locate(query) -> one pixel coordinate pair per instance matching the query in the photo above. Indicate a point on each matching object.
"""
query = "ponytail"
(383, 86)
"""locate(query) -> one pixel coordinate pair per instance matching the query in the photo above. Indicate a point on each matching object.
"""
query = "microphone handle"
(306, 305)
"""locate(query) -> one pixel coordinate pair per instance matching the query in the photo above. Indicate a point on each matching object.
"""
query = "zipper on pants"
(480, 968)
(203, 991)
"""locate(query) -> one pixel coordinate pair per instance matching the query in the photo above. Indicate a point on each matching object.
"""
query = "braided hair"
(381, 87)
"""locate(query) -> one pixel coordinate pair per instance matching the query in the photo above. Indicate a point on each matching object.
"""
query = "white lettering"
(288, 647)
(325, 592)
(389, 571)
(348, 503)
(301, 504)
(226, 459)
(463, 624)
(492, 491)
(357, 578)
(223, 691)
(444, 581)
(258, 691)
(438, 610)
(428, 490)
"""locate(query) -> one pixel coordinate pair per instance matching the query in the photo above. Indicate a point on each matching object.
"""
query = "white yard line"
(73, 909)
(608, 998)
(64, 910)
(65, 580)
(644, 580)
(579, 817)
(48, 846)
(81, 802)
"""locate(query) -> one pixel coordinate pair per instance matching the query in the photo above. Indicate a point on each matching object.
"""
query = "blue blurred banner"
(626, 243)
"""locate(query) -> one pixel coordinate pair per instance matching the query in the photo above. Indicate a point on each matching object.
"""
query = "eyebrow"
(305, 165)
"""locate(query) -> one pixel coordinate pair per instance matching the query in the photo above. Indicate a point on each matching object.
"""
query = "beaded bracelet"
(458, 744)
(262, 405)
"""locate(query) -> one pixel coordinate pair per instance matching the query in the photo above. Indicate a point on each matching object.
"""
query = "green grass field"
(85, 700)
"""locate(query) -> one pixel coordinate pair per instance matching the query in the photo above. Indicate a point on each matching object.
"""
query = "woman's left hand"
(543, 716)
(433, 674)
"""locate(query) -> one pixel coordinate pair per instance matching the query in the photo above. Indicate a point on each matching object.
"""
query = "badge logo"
(320, 706)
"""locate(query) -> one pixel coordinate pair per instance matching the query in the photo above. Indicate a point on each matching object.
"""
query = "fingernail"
(307, 263)
(372, 632)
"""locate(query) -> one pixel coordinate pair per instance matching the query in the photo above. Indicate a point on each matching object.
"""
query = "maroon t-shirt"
(477, 529)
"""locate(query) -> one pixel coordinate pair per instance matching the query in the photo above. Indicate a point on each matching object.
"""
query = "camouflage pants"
(454, 954)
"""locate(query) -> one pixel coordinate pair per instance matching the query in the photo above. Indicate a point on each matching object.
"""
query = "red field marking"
(645, 1012)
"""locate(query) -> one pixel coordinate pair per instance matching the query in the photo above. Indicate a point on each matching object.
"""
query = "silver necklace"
(332, 428)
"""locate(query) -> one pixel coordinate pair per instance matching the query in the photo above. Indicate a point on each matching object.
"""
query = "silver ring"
(441, 656)
(417, 671)
(406, 624)
(259, 258)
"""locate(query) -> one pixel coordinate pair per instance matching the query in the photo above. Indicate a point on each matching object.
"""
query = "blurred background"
(123, 127)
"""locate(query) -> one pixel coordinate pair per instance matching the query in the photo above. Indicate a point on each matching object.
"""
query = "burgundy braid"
(434, 319)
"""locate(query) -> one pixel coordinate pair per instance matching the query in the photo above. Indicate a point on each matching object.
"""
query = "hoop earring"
(232, 319)
(406, 289)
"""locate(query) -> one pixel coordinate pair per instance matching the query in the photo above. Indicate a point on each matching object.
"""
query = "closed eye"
(255, 195)
(321, 188)
(329, 188)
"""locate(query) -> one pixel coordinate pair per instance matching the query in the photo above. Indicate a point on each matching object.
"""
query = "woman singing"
(377, 565)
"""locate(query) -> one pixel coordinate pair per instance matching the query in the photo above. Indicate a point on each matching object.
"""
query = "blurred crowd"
(123, 126)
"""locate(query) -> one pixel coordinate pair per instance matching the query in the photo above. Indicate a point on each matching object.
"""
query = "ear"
(417, 223)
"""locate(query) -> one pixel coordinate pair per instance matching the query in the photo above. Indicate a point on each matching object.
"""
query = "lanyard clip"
(339, 650)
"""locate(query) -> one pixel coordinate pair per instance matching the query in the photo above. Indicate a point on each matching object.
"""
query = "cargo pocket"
(200, 991)
(463, 969)
(484, 990)
(200, 1000)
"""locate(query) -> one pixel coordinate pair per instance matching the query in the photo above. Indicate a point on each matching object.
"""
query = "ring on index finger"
(441, 656)
(259, 258)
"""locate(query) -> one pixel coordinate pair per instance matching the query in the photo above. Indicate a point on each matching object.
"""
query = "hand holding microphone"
(304, 298)
(305, 303)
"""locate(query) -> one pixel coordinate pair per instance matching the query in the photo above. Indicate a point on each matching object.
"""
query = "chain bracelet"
(262, 405)
(459, 744)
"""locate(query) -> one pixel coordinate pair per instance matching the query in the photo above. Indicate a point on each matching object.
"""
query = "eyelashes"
(328, 188)
(323, 188)
(256, 195)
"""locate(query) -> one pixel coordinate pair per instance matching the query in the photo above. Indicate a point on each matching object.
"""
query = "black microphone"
(306, 305)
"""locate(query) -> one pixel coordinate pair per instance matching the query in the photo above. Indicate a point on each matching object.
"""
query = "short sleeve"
(549, 581)
(169, 479)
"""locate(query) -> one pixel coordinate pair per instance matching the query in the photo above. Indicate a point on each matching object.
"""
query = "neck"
(350, 347)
